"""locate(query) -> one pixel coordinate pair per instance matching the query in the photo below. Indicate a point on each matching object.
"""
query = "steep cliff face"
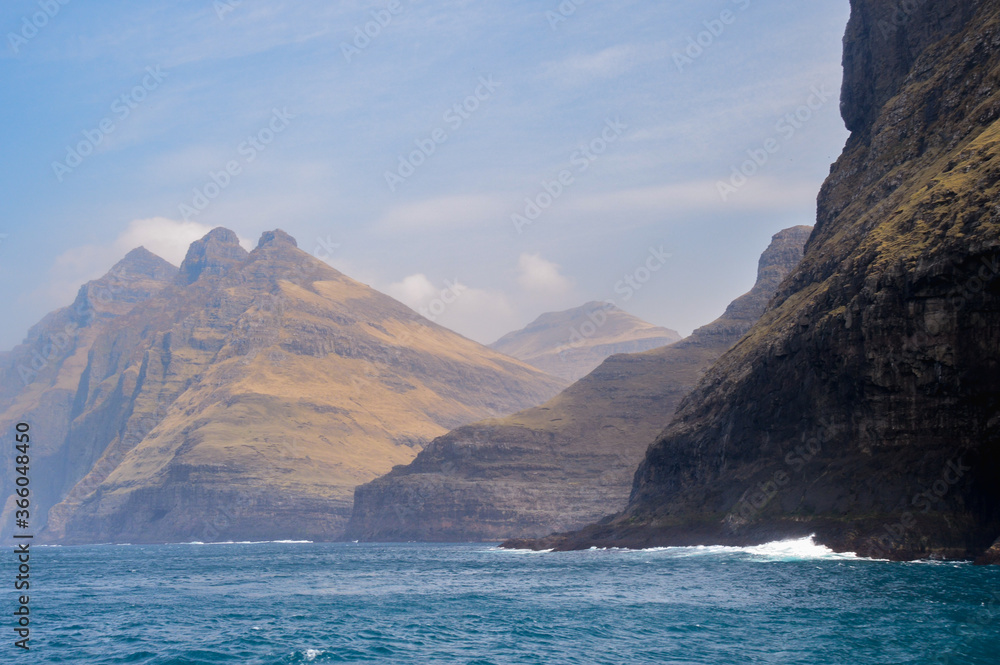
(574, 343)
(883, 41)
(567, 462)
(40, 377)
(248, 397)
(863, 407)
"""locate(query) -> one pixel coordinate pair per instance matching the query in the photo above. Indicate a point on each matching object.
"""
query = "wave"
(799, 549)
(253, 542)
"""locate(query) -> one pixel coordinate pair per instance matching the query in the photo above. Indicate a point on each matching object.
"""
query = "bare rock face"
(863, 406)
(215, 254)
(244, 397)
(574, 343)
(39, 378)
(990, 557)
(883, 41)
(569, 461)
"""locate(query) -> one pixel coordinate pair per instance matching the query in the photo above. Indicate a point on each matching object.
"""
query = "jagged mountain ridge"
(250, 394)
(573, 343)
(568, 461)
(862, 408)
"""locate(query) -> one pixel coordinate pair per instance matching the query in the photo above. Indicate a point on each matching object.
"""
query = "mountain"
(39, 378)
(573, 343)
(863, 407)
(569, 461)
(240, 397)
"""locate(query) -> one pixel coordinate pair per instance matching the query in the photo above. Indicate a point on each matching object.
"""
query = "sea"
(298, 602)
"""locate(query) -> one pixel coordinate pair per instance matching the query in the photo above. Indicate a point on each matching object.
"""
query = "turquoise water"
(475, 604)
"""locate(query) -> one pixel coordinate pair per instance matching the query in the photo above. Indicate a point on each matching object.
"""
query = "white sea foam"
(292, 542)
(801, 549)
(312, 654)
(511, 550)
(253, 542)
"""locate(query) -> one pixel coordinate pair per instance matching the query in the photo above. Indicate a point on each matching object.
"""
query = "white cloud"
(475, 313)
(167, 238)
(540, 277)
(485, 315)
(415, 291)
(445, 212)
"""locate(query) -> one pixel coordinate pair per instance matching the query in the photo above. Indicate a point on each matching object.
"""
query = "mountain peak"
(776, 263)
(141, 262)
(214, 254)
(783, 254)
(276, 238)
(572, 343)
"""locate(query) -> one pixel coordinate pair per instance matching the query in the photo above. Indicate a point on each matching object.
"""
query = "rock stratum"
(241, 397)
(573, 343)
(864, 407)
(569, 461)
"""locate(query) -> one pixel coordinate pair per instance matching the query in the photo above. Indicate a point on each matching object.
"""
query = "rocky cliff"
(40, 377)
(243, 397)
(573, 343)
(863, 407)
(567, 462)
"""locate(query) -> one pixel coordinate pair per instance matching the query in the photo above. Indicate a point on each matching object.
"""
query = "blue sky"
(122, 119)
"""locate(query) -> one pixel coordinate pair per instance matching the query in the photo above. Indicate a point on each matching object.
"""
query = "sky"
(483, 162)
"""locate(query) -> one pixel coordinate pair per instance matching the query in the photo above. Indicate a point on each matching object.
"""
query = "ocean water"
(264, 603)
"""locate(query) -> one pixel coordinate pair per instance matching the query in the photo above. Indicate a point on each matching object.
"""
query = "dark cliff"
(863, 407)
(567, 462)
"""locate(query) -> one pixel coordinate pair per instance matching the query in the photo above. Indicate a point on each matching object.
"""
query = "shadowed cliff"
(863, 406)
